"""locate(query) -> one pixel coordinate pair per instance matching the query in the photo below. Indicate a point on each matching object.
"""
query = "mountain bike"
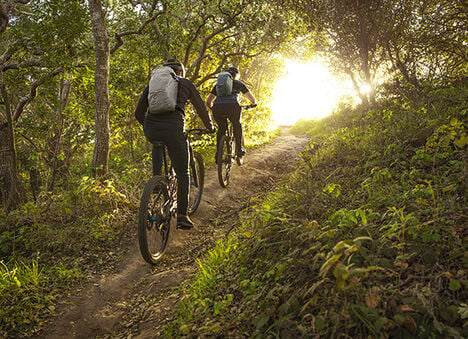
(226, 153)
(158, 204)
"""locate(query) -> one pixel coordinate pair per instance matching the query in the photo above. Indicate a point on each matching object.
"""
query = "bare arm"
(249, 96)
(210, 99)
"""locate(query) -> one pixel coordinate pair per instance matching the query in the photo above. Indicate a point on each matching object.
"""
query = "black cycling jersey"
(237, 87)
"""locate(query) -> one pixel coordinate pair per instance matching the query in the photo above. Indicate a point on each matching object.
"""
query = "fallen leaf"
(411, 324)
(372, 300)
(404, 308)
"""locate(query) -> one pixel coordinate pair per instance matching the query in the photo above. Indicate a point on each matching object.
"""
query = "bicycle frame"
(169, 172)
(226, 153)
(158, 204)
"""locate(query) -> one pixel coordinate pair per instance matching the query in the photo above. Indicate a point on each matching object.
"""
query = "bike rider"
(170, 129)
(227, 107)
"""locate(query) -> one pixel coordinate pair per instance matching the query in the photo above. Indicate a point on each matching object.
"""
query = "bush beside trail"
(49, 247)
(366, 238)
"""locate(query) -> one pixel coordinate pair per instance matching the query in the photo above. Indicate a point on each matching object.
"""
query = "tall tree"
(10, 183)
(101, 88)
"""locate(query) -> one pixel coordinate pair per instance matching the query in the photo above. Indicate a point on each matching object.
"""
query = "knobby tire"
(224, 161)
(154, 220)
(196, 184)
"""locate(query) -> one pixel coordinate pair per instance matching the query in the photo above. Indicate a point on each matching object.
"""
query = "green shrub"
(365, 239)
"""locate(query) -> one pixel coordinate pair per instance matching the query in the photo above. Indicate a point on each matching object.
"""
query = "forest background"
(73, 158)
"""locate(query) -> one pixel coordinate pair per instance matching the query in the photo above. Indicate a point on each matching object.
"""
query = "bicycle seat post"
(162, 146)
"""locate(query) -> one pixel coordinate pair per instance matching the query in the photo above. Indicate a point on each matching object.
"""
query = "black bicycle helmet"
(233, 70)
(176, 65)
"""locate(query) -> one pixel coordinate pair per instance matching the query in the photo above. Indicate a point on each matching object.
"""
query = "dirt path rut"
(136, 301)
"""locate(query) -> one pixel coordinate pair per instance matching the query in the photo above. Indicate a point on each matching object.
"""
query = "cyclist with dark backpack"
(223, 101)
(165, 99)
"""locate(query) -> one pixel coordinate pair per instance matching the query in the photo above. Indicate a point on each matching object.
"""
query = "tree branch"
(6, 55)
(222, 62)
(29, 63)
(195, 36)
(32, 94)
(118, 36)
(223, 39)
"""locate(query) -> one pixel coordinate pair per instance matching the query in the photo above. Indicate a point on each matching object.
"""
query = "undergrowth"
(49, 246)
(366, 239)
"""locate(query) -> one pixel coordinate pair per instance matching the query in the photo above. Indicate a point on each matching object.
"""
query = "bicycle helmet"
(233, 70)
(176, 65)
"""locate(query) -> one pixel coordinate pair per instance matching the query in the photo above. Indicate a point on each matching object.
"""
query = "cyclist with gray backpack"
(166, 98)
(223, 101)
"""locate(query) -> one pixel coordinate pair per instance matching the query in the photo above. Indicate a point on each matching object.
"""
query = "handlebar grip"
(249, 106)
(198, 131)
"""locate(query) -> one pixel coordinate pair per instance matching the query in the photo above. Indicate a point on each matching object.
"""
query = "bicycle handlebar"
(197, 131)
(249, 106)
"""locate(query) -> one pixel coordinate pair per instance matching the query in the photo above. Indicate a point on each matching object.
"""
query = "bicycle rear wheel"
(224, 161)
(154, 219)
(197, 180)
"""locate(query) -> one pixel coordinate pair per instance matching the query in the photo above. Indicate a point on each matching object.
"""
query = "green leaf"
(461, 142)
(463, 311)
(454, 285)
(262, 320)
(355, 240)
(283, 309)
(319, 324)
(380, 323)
(328, 264)
(217, 307)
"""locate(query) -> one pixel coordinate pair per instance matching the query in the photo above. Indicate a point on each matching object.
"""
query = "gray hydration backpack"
(163, 88)
(224, 84)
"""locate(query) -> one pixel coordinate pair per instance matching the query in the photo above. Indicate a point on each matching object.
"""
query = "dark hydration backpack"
(224, 84)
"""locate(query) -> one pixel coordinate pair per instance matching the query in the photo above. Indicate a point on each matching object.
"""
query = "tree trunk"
(10, 185)
(101, 87)
(56, 140)
(3, 17)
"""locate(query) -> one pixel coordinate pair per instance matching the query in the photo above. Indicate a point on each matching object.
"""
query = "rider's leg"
(179, 153)
(170, 130)
(152, 130)
(234, 116)
(157, 157)
(220, 116)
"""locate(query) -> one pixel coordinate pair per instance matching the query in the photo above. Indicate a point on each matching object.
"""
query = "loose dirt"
(136, 301)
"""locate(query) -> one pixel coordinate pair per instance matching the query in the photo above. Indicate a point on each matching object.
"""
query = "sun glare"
(306, 91)
(365, 89)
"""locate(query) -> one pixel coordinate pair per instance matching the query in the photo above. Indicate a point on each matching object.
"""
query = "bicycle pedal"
(154, 219)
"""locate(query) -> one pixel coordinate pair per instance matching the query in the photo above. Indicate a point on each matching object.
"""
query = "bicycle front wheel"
(224, 161)
(197, 180)
(154, 220)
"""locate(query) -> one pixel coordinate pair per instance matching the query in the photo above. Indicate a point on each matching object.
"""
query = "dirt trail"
(136, 301)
